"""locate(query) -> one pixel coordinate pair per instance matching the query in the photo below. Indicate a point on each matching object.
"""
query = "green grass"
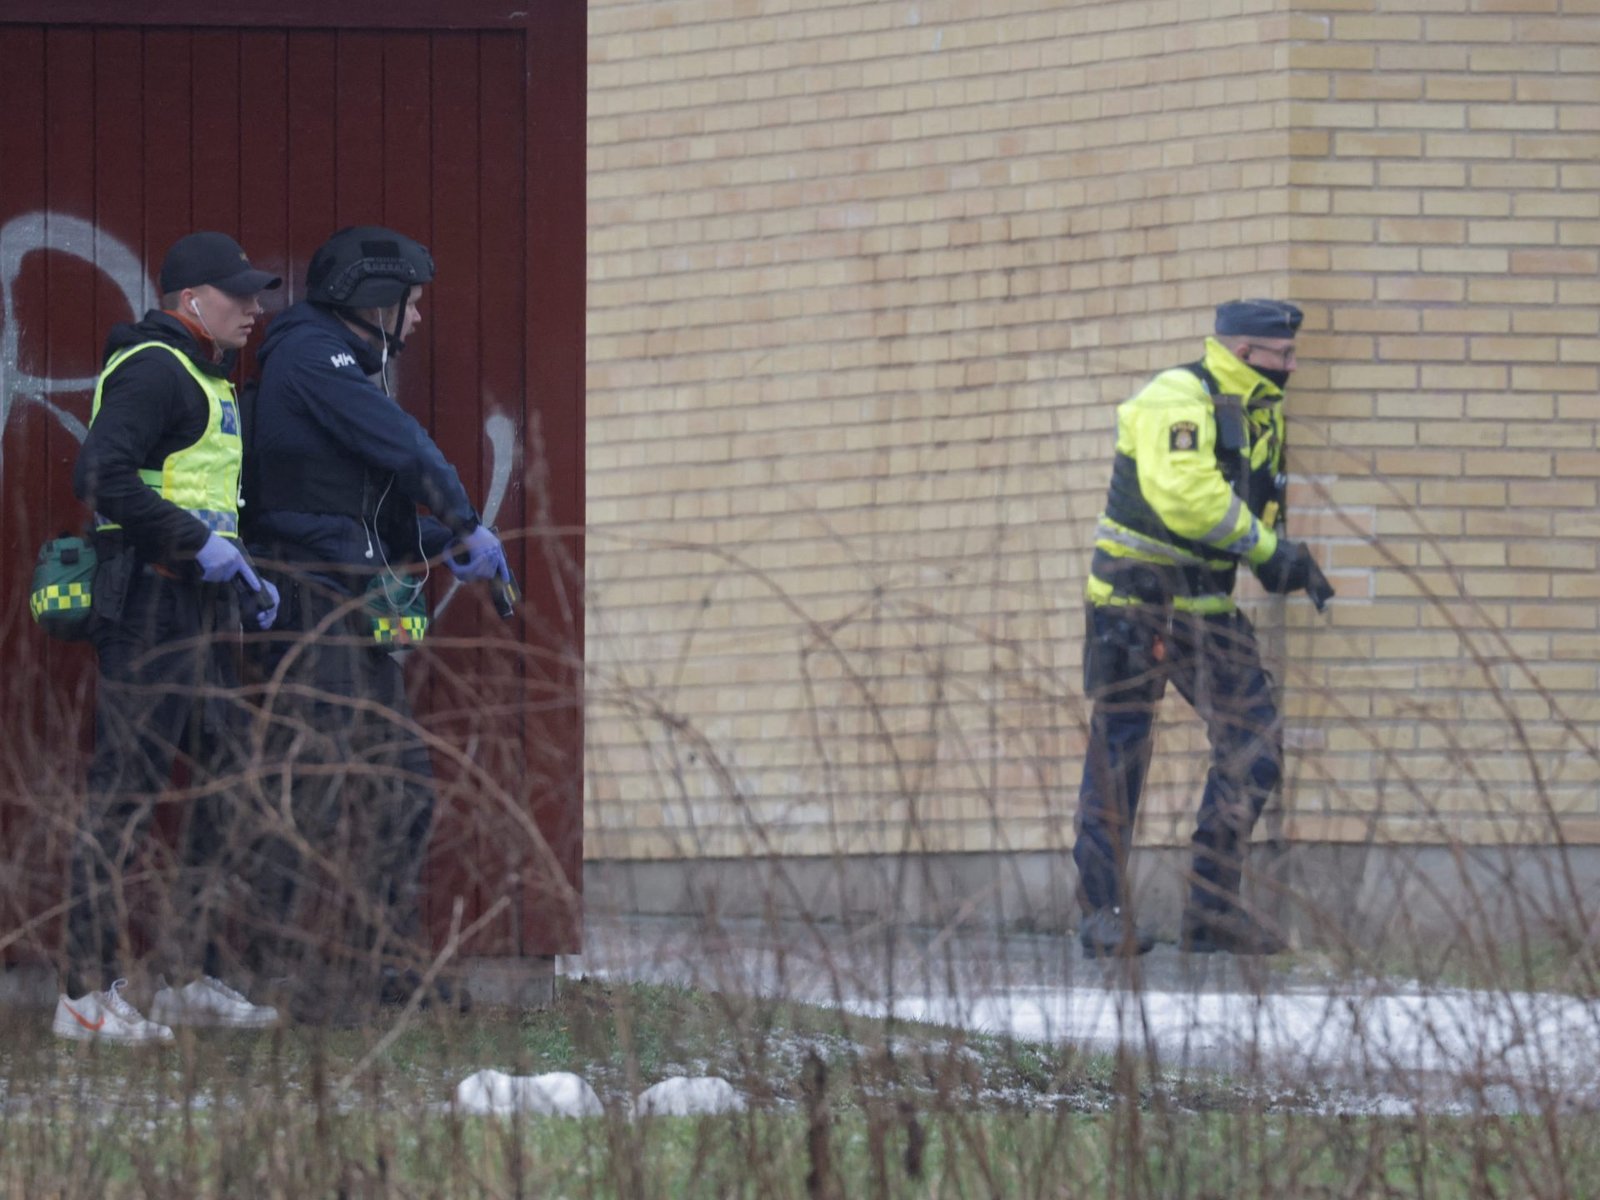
(912, 1110)
(1564, 965)
(885, 1151)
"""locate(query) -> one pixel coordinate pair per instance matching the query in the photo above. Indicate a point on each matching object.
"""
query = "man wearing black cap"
(160, 468)
(1196, 488)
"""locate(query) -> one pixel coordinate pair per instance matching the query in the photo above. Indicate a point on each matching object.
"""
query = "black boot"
(1228, 931)
(1111, 933)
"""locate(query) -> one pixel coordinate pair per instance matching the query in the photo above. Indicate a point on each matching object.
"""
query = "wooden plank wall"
(120, 139)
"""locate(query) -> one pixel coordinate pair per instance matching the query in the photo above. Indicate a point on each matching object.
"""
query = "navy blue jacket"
(334, 467)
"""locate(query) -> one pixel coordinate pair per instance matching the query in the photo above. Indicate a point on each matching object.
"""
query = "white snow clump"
(556, 1094)
(682, 1096)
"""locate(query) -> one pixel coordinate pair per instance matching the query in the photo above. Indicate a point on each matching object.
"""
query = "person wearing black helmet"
(1196, 491)
(336, 472)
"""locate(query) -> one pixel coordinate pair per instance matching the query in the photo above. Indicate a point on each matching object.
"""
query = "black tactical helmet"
(366, 266)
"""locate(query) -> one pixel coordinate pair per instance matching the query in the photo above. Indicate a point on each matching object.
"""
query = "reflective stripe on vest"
(202, 478)
(1101, 591)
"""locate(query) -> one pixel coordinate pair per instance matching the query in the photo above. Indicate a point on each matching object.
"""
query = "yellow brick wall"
(1445, 234)
(866, 281)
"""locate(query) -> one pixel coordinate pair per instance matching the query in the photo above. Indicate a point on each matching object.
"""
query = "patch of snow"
(1549, 1039)
(1314, 1039)
(682, 1096)
(555, 1094)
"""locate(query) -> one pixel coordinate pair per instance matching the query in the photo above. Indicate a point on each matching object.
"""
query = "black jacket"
(334, 467)
(149, 407)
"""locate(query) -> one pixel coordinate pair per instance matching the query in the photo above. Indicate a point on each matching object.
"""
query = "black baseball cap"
(1258, 318)
(215, 259)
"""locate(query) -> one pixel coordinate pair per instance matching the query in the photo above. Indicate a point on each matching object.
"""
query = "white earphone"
(194, 306)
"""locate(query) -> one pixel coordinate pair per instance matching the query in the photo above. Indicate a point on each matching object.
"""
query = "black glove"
(1292, 569)
(1317, 586)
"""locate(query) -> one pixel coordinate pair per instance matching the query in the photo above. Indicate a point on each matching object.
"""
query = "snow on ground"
(1515, 1034)
(1376, 1045)
(1529, 1043)
(684, 1097)
(563, 1094)
(555, 1094)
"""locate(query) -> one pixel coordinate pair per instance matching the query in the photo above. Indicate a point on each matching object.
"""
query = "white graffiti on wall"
(501, 434)
(73, 236)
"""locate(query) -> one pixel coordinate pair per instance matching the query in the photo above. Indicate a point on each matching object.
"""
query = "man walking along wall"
(866, 286)
(1197, 490)
(160, 468)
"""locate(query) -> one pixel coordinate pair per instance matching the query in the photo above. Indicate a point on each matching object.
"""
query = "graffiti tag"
(72, 236)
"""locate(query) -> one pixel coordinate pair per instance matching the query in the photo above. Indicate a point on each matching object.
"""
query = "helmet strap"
(392, 342)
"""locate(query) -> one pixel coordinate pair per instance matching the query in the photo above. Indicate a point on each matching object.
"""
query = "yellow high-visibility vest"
(204, 477)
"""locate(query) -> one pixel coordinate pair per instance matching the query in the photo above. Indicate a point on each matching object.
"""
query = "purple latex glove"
(269, 613)
(478, 556)
(220, 561)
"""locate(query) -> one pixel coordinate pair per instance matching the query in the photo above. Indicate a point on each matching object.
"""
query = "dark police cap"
(1258, 318)
(215, 259)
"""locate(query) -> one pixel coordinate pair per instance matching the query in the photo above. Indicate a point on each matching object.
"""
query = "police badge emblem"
(1184, 435)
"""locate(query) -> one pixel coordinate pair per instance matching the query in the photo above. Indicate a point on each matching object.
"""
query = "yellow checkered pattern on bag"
(399, 629)
(59, 597)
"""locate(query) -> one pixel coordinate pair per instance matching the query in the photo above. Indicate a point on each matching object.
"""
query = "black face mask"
(1279, 376)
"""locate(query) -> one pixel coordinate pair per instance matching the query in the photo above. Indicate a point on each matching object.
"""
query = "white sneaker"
(105, 1017)
(210, 1002)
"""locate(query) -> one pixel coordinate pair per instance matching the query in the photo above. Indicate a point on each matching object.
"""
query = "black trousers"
(341, 882)
(1131, 653)
(168, 693)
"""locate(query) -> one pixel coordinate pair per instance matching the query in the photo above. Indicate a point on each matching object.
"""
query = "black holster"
(117, 563)
(1122, 645)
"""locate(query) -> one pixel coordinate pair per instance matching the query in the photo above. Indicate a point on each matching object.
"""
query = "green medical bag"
(397, 609)
(63, 580)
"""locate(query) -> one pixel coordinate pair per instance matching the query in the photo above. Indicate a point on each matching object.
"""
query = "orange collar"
(207, 346)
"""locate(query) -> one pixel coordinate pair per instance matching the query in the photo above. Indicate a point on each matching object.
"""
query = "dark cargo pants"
(342, 880)
(168, 692)
(1131, 652)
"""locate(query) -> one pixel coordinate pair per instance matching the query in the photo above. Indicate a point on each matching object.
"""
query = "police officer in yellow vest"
(160, 468)
(1196, 489)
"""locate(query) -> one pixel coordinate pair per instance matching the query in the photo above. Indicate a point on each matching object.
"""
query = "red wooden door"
(279, 123)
